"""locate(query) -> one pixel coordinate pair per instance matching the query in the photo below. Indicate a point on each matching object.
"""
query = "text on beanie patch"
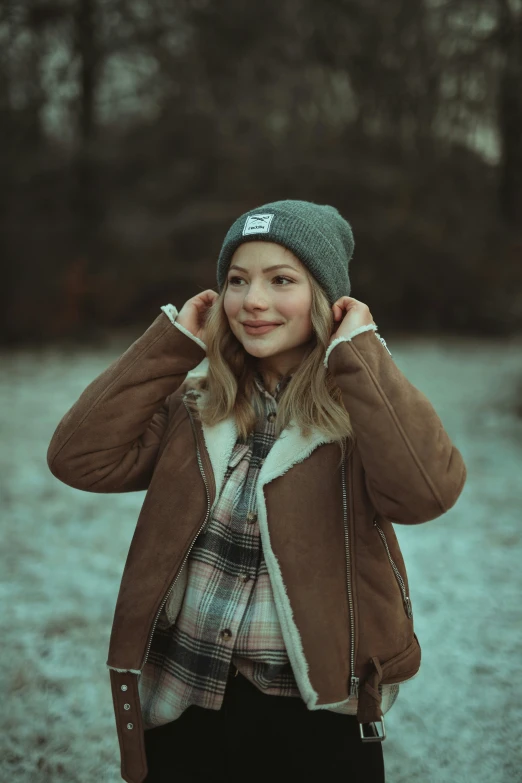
(257, 224)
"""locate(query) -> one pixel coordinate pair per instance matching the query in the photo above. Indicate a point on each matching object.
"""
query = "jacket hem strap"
(129, 726)
(369, 702)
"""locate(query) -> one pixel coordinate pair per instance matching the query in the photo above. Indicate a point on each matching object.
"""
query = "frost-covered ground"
(63, 552)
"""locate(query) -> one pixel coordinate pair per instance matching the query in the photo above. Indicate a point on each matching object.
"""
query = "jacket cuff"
(367, 328)
(171, 311)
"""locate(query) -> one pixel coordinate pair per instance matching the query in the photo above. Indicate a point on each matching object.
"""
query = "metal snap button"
(126, 706)
(130, 725)
(251, 517)
(124, 687)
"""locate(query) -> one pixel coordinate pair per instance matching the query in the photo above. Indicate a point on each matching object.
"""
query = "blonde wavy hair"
(310, 399)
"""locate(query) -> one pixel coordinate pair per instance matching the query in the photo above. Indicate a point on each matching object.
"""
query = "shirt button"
(244, 577)
(226, 634)
(271, 416)
(251, 517)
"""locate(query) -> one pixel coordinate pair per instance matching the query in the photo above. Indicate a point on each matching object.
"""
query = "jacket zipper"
(354, 681)
(166, 596)
(405, 598)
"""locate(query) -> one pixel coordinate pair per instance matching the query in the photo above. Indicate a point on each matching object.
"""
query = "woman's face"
(257, 292)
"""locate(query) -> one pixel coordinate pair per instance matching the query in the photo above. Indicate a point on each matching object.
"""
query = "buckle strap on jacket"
(369, 702)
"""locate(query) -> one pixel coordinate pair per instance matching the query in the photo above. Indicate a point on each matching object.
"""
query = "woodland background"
(133, 133)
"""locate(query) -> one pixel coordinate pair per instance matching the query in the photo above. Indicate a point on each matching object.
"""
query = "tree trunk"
(510, 117)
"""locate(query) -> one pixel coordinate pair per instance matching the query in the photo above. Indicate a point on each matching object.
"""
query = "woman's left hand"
(351, 313)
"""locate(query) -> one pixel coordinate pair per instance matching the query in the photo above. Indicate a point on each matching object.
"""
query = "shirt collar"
(281, 385)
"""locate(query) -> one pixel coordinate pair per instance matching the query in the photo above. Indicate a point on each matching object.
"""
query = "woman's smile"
(260, 329)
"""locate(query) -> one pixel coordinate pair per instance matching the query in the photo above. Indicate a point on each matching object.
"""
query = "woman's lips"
(259, 329)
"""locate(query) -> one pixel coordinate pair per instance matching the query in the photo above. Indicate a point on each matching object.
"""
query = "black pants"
(259, 737)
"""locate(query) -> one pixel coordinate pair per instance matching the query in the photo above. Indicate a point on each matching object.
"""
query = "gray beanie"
(316, 233)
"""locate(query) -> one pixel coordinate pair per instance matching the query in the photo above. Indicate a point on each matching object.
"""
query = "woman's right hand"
(193, 314)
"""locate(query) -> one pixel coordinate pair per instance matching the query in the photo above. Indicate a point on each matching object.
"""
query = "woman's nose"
(255, 296)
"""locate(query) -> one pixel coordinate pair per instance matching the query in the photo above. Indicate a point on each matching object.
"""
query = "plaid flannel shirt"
(228, 615)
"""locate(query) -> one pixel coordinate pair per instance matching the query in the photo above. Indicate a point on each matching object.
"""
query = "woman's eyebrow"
(268, 268)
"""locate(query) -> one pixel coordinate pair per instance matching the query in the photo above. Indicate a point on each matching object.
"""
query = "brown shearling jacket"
(338, 575)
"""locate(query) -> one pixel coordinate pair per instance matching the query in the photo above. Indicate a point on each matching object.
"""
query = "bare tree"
(509, 37)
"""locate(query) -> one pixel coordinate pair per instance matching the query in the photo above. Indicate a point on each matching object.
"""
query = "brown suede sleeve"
(109, 439)
(414, 473)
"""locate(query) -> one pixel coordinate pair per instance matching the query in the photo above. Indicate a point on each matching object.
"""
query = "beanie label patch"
(257, 224)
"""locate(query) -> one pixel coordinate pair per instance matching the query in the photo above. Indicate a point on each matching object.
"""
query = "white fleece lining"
(171, 312)
(124, 671)
(359, 330)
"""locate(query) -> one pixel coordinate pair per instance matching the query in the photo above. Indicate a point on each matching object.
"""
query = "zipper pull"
(354, 687)
(409, 610)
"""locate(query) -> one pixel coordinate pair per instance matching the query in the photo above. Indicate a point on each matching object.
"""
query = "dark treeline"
(133, 132)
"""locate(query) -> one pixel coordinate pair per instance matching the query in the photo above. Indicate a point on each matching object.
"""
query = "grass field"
(63, 552)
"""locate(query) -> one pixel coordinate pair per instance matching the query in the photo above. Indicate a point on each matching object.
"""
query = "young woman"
(264, 621)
